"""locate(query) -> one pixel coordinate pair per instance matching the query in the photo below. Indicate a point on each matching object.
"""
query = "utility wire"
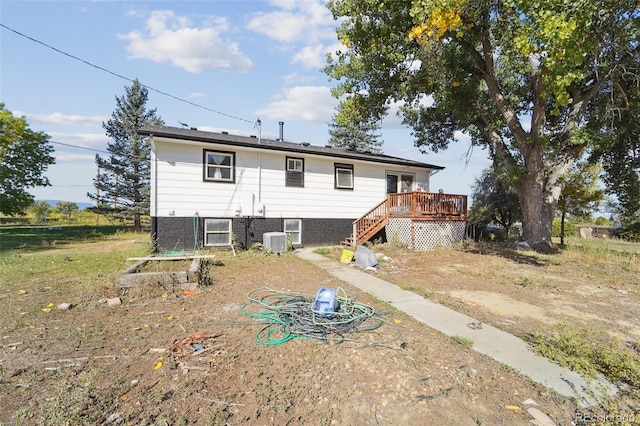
(80, 147)
(123, 77)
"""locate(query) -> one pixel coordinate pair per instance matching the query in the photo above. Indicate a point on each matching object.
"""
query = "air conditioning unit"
(275, 241)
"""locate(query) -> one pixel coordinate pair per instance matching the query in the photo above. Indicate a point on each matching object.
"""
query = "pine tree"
(359, 137)
(123, 181)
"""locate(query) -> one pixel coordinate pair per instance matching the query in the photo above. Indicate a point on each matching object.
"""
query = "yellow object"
(45, 309)
(158, 366)
(347, 256)
(22, 292)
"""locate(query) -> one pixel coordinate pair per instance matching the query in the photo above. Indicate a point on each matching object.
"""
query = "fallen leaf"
(22, 292)
(158, 366)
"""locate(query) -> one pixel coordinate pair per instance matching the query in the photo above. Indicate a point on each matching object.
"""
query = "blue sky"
(238, 60)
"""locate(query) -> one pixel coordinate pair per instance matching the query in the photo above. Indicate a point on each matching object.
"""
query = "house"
(212, 190)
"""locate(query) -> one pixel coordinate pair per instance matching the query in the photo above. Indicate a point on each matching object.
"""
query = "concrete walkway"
(488, 340)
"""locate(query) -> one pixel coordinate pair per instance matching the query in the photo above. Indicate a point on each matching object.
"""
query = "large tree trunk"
(537, 216)
(538, 200)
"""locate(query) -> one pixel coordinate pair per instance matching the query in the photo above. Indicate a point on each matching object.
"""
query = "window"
(217, 232)
(295, 172)
(219, 166)
(344, 176)
(293, 229)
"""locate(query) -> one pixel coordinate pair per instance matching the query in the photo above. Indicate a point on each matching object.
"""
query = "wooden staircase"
(368, 225)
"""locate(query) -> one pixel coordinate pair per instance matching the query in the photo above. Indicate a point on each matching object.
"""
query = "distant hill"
(54, 203)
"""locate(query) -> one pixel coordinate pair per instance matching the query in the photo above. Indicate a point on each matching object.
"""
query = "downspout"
(153, 207)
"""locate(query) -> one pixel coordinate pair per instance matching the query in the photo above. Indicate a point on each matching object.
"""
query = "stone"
(114, 301)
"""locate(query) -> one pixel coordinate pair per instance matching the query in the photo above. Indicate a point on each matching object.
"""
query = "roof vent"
(225, 133)
(194, 128)
(253, 136)
(305, 144)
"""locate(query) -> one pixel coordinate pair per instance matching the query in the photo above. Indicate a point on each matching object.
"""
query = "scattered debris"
(64, 306)
(114, 301)
(365, 257)
(521, 245)
(475, 325)
(540, 418)
(529, 402)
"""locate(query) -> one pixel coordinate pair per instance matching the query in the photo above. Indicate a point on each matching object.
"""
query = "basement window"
(217, 232)
(293, 229)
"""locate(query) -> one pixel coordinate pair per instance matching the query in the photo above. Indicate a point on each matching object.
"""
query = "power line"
(123, 77)
(80, 147)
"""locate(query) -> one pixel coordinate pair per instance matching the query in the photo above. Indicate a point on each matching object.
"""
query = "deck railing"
(428, 205)
(414, 205)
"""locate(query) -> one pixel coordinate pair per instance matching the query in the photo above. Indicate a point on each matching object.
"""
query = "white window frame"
(227, 231)
(343, 170)
(294, 236)
(298, 164)
(231, 167)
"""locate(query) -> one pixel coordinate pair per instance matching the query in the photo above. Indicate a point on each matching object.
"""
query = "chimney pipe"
(281, 138)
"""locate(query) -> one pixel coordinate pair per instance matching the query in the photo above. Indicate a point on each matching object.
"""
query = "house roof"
(178, 134)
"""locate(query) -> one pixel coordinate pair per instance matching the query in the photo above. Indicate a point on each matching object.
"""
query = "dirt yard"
(163, 357)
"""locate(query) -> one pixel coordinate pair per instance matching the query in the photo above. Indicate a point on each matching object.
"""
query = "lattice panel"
(423, 235)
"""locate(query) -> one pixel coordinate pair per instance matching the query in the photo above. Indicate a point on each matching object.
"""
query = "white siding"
(179, 188)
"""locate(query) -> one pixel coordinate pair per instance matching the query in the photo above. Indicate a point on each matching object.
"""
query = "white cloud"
(174, 39)
(315, 56)
(305, 103)
(295, 78)
(197, 95)
(60, 118)
(296, 21)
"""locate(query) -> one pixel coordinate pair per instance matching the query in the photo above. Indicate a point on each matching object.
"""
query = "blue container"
(325, 304)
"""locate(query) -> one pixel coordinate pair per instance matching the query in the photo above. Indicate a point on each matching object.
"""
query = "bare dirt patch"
(138, 363)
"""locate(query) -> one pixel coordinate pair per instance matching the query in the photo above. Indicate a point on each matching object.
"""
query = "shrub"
(569, 228)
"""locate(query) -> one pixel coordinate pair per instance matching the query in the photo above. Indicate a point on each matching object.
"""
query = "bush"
(569, 228)
(602, 221)
(631, 232)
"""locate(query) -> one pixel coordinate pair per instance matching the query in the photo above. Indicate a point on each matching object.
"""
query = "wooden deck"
(421, 206)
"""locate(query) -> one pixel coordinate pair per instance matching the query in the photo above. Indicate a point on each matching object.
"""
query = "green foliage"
(631, 232)
(489, 69)
(67, 208)
(124, 178)
(31, 239)
(352, 132)
(39, 210)
(24, 158)
(494, 200)
(602, 221)
(581, 194)
(570, 228)
(462, 341)
(589, 352)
